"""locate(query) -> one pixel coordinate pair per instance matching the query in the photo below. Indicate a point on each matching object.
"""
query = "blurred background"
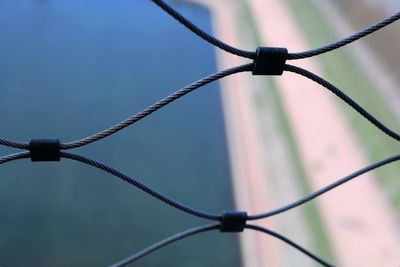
(72, 68)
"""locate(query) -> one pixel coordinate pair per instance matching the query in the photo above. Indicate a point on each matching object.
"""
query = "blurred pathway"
(248, 169)
(359, 222)
(382, 78)
(257, 151)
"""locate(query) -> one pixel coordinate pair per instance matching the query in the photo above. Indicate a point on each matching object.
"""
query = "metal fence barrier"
(265, 61)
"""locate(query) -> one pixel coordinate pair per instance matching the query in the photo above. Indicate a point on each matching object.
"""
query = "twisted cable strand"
(10, 143)
(326, 189)
(211, 227)
(165, 242)
(202, 34)
(354, 37)
(291, 243)
(251, 55)
(161, 103)
(345, 98)
(141, 186)
(16, 156)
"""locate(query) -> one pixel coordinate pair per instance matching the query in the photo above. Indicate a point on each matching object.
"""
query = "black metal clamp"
(233, 221)
(45, 150)
(270, 61)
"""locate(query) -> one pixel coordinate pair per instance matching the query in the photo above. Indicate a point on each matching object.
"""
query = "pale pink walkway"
(360, 224)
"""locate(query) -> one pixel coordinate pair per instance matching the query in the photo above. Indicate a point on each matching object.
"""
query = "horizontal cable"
(16, 156)
(161, 103)
(165, 242)
(326, 189)
(354, 37)
(345, 98)
(141, 186)
(288, 241)
(202, 34)
(9, 143)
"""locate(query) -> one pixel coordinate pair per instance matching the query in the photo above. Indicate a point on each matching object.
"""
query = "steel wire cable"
(202, 34)
(166, 241)
(16, 156)
(289, 242)
(210, 216)
(354, 37)
(205, 215)
(10, 143)
(141, 186)
(326, 189)
(156, 106)
(252, 55)
(187, 89)
(210, 227)
(345, 98)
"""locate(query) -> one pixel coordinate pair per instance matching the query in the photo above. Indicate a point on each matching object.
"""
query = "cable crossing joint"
(270, 60)
(233, 221)
(42, 150)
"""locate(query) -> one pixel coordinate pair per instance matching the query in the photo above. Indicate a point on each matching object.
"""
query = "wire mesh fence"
(265, 61)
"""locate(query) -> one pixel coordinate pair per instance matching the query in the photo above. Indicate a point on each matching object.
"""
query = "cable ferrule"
(44, 150)
(233, 221)
(270, 61)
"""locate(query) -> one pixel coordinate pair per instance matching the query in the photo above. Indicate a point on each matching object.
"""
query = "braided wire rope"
(215, 217)
(202, 34)
(348, 100)
(354, 37)
(202, 82)
(16, 156)
(211, 227)
(141, 186)
(165, 242)
(327, 188)
(251, 55)
(289, 242)
(156, 106)
(10, 143)
(206, 215)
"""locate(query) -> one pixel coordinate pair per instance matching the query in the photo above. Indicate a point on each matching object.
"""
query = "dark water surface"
(69, 68)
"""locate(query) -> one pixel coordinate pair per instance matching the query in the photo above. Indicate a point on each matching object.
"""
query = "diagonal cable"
(165, 242)
(326, 189)
(9, 143)
(156, 106)
(289, 242)
(141, 186)
(354, 37)
(345, 98)
(16, 156)
(202, 34)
